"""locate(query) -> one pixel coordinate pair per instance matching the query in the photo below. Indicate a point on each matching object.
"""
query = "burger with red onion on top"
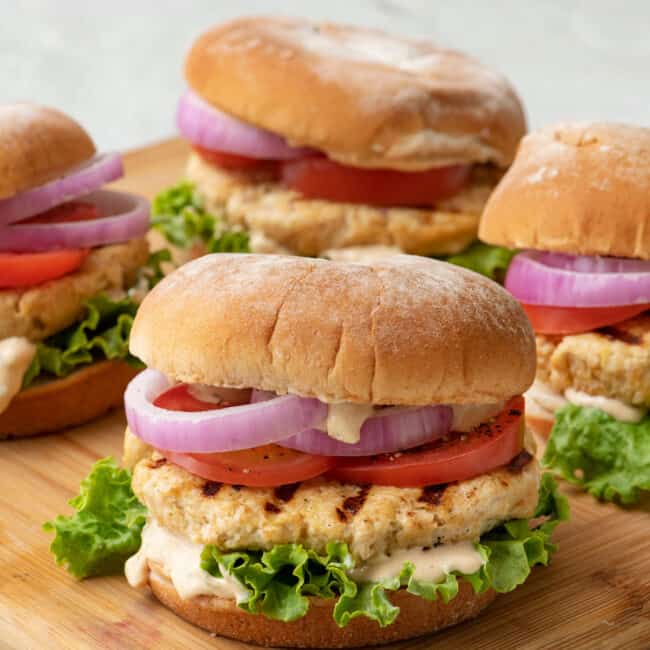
(577, 199)
(69, 253)
(323, 454)
(318, 139)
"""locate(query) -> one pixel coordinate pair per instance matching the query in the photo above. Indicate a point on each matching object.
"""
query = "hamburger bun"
(37, 145)
(402, 331)
(317, 628)
(365, 98)
(83, 396)
(577, 188)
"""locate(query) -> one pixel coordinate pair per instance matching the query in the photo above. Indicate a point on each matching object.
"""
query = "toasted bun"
(317, 628)
(37, 145)
(405, 330)
(366, 98)
(582, 189)
(83, 396)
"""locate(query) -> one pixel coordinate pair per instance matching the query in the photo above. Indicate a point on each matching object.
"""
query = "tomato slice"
(573, 320)
(234, 161)
(459, 457)
(28, 269)
(182, 398)
(265, 466)
(320, 178)
(67, 212)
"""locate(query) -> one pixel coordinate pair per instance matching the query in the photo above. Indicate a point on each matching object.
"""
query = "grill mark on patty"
(285, 492)
(517, 464)
(352, 505)
(432, 494)
(355, 503)
(210, 488)
(619, 333)
(272, 508)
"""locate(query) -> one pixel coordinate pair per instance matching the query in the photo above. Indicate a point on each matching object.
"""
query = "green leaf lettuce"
(178, 213)
(106, 529)
(491, 261)
(102, 334)
(607, 457)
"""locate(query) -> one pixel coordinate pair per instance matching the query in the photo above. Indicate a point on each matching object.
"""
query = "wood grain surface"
(596, 593)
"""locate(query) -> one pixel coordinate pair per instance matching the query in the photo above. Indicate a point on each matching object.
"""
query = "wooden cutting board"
(596, 593)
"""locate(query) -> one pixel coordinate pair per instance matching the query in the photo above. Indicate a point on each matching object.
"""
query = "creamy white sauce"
(16, 355)
(542, 401)
(344, 420)
(432, 564)
(616, 408)
(181, 560)
(469, 416)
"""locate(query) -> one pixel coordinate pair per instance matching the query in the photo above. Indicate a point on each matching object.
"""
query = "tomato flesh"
(234, 161)
(265, 466)
(19, 270)
(320, 178)
(317, 177)
(460, 457)
(574, 320)
(180, 398)
(67, 212)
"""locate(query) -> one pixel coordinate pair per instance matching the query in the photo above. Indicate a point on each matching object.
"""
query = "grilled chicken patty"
(280, 221)
(40, 311)
(372, 520)
(612, 361)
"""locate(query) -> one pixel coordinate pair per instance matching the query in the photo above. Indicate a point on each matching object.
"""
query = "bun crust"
(365, 98)
(79, 398)
(582, 189)
(37, 145)
(317, 628)
(404, 330)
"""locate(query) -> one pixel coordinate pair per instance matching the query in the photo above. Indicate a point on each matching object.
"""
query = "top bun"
(582, 189)
(365, 98)
(37, 145)
(404, 330)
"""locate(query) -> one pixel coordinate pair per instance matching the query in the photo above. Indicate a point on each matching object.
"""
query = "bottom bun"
(81, 397)
(317, 628)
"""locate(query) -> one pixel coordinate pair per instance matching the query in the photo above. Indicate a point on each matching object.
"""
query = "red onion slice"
(125, 216)
(88, 177)
(394, 431)
(231, 429)
(537, 278)
(206, 126)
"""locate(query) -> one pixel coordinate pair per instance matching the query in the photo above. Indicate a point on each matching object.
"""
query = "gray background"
(116, 66)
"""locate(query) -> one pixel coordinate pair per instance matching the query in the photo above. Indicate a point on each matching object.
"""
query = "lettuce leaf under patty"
(607, 457)
(106, 529)
(279, 581)
(102, 334)
(491, 261)
(178, 213)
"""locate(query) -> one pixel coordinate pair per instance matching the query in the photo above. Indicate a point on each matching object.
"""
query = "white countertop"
(116, 66)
